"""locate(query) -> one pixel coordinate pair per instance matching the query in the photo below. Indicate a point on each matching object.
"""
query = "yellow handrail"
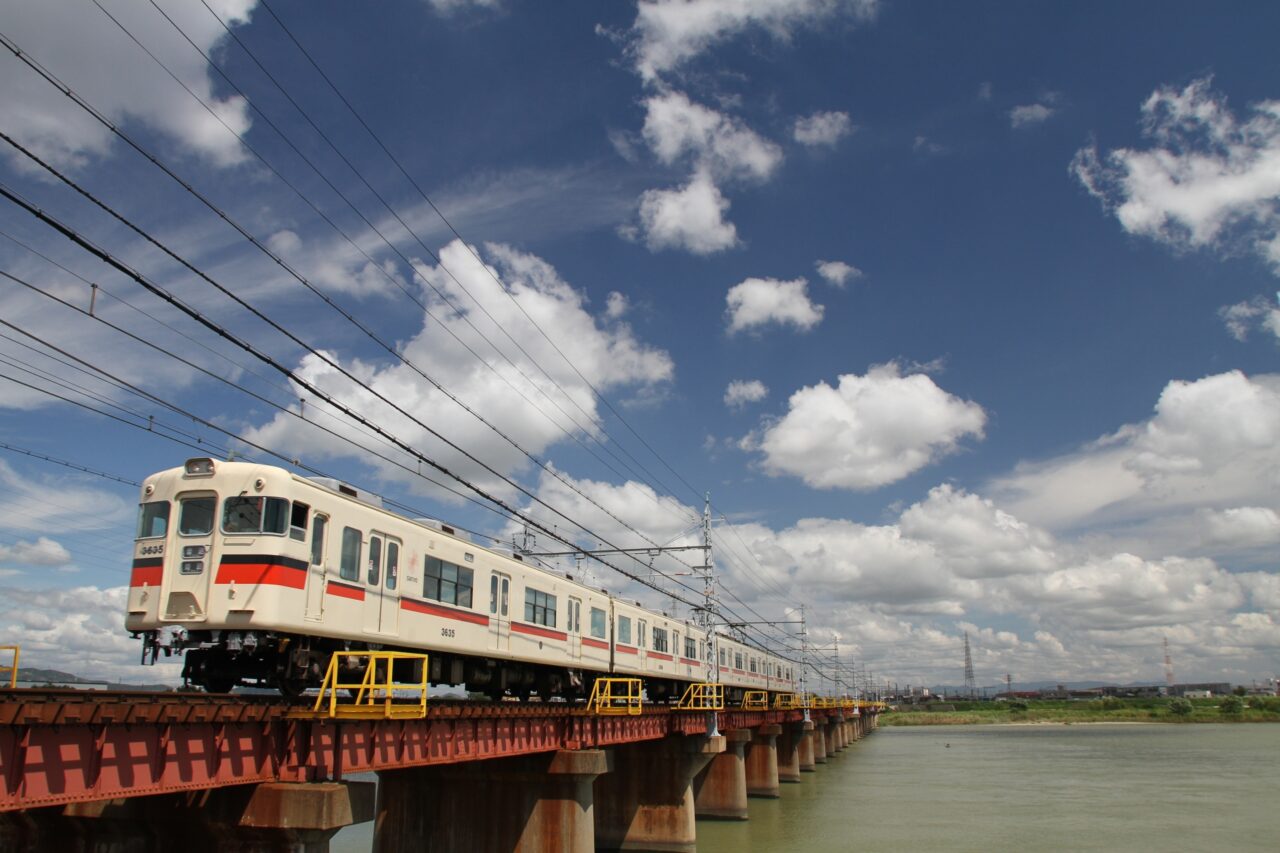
(785, 702)
(617, 697)
(755, 700)
(12, 668)
(375, 691)
(702, 696)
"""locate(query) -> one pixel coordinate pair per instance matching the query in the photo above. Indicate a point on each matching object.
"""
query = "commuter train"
(259, 576)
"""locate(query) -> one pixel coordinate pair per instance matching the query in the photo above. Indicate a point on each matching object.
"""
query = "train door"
(185, 592)
(574, 628)
(500, 611)
(381, 595)
(315, 569)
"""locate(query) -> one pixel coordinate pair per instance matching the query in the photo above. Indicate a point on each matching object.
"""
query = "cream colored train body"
(258, 575)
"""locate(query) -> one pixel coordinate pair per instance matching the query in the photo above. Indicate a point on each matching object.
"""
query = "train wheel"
(219, 684)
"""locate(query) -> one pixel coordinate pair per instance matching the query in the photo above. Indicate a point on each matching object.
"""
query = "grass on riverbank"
(1220, 709)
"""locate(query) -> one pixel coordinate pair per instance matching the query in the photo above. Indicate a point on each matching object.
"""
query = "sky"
(964, 315)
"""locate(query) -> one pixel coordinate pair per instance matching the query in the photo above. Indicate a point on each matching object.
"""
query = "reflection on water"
(989, 788)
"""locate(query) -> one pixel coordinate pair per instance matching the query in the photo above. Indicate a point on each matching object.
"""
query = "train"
(259, 576)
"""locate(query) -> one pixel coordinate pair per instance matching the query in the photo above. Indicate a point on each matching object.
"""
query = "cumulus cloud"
(866, 432)
(1029, 115)
(740, 392)
(451, 7)
(1210, 180)
(822, 128)
(690, 218)
(756, 302)
(837, 273)
(521, 401)
(77, 43)
(1243, 317)
(1250, 526)
(667, 33)
(43, 552)
(676, 128)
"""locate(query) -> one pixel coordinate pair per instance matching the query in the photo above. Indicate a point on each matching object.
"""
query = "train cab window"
(318, 525)
(452, 584)
(349, 568)
(298, 522)
(598, 623)
(539, 607)
(375, 560)
(393, 564)
(255, 515)
(659, 639)
(195, 518)
(624, 630)
(643, 626)
(153, 520)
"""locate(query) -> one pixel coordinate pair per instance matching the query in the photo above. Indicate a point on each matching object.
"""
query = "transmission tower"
(970, 683)
(1168, 665)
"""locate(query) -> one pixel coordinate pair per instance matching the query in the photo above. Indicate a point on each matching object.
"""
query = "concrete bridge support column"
(646, 802)
(720, 790)
(789, 753)
(857, 727)
(271, 817)
(762, 763)
(842, 740)
(533, 804)
(829, 735)
(820, 742)
(808, 759)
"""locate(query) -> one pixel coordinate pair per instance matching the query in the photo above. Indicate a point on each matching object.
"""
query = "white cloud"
(450, 7)
(1211, 180)
(980, 539)
(837, 273)
(1242, 317)
(868, 431)
(1247, 526)
(668, 33)
(43, 552)
(743, 391)
(608, 358)
(822, 128)
(617, 306)
(1029, 115)
(720, 145)
(756, 302)
(77, 42)
(691, 218)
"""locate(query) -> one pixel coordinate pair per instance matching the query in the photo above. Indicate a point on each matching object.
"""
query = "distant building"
(1200, 691)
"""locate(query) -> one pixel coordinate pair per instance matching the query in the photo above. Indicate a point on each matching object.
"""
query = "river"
(1108, 787)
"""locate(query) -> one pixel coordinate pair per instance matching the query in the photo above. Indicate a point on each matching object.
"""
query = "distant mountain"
(35, 675)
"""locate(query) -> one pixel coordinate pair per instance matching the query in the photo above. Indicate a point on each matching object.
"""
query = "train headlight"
(202, 467)
(193, 552)
(192, 567)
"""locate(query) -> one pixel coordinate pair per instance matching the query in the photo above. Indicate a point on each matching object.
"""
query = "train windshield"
(153, 520)
(196, 518)
(255, 515)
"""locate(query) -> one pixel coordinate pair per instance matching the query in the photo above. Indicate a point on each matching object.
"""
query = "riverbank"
(1224, 709)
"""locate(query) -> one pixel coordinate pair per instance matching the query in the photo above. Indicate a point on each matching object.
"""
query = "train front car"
(220, 567)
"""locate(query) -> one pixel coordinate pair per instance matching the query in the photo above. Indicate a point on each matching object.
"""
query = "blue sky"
(965, 315)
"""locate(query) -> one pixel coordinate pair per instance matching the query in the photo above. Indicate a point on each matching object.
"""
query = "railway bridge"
(198, 772)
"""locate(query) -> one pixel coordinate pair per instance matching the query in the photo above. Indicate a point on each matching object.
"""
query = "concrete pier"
(762, 763)
(789, 753)
(720, 790)
(536, 804)
(820, 743)
(808, 760)
(646, 802)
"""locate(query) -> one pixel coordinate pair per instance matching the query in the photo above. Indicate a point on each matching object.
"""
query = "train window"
(723, 662)
(449, 583)
(375, 560)
(298, 522)
(196, 516)
(624, 629)
(318, 525)
(643, 627)
(597, 623)
(393, 563)
(254, 515)
(493, 593)
(506, 589)
(675, 642)
(752, 666)
(539, 607)
(350, 566)
(573, 619)
(691, 648)
(737, 660)
(659, 639)
(153, 520)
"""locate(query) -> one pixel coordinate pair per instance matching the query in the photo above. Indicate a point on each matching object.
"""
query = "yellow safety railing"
(12, 668)
(786, 702)
(702, 696)
(373, 696)
(617, 697)
(755, 700)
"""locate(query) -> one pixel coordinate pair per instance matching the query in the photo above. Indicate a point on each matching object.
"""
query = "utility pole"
(970, 683)
(1168, 665)
(804, 662)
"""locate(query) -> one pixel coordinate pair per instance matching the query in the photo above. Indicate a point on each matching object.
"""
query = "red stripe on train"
(521, 628)
(595, 644)
(271, 574)
(146, 576)
(446, 612)
(341, 590)
(659, 656)
(626, 650)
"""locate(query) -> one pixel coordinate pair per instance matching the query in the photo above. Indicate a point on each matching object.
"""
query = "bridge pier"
(762, 762)
(532, 804)
(789, 753)
(720, 790)
(837, 730)
(647, 802)
(270, 817)
(808, 760)
(820, 742)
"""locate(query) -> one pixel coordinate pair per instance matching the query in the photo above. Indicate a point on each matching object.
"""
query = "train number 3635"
(447, 632)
